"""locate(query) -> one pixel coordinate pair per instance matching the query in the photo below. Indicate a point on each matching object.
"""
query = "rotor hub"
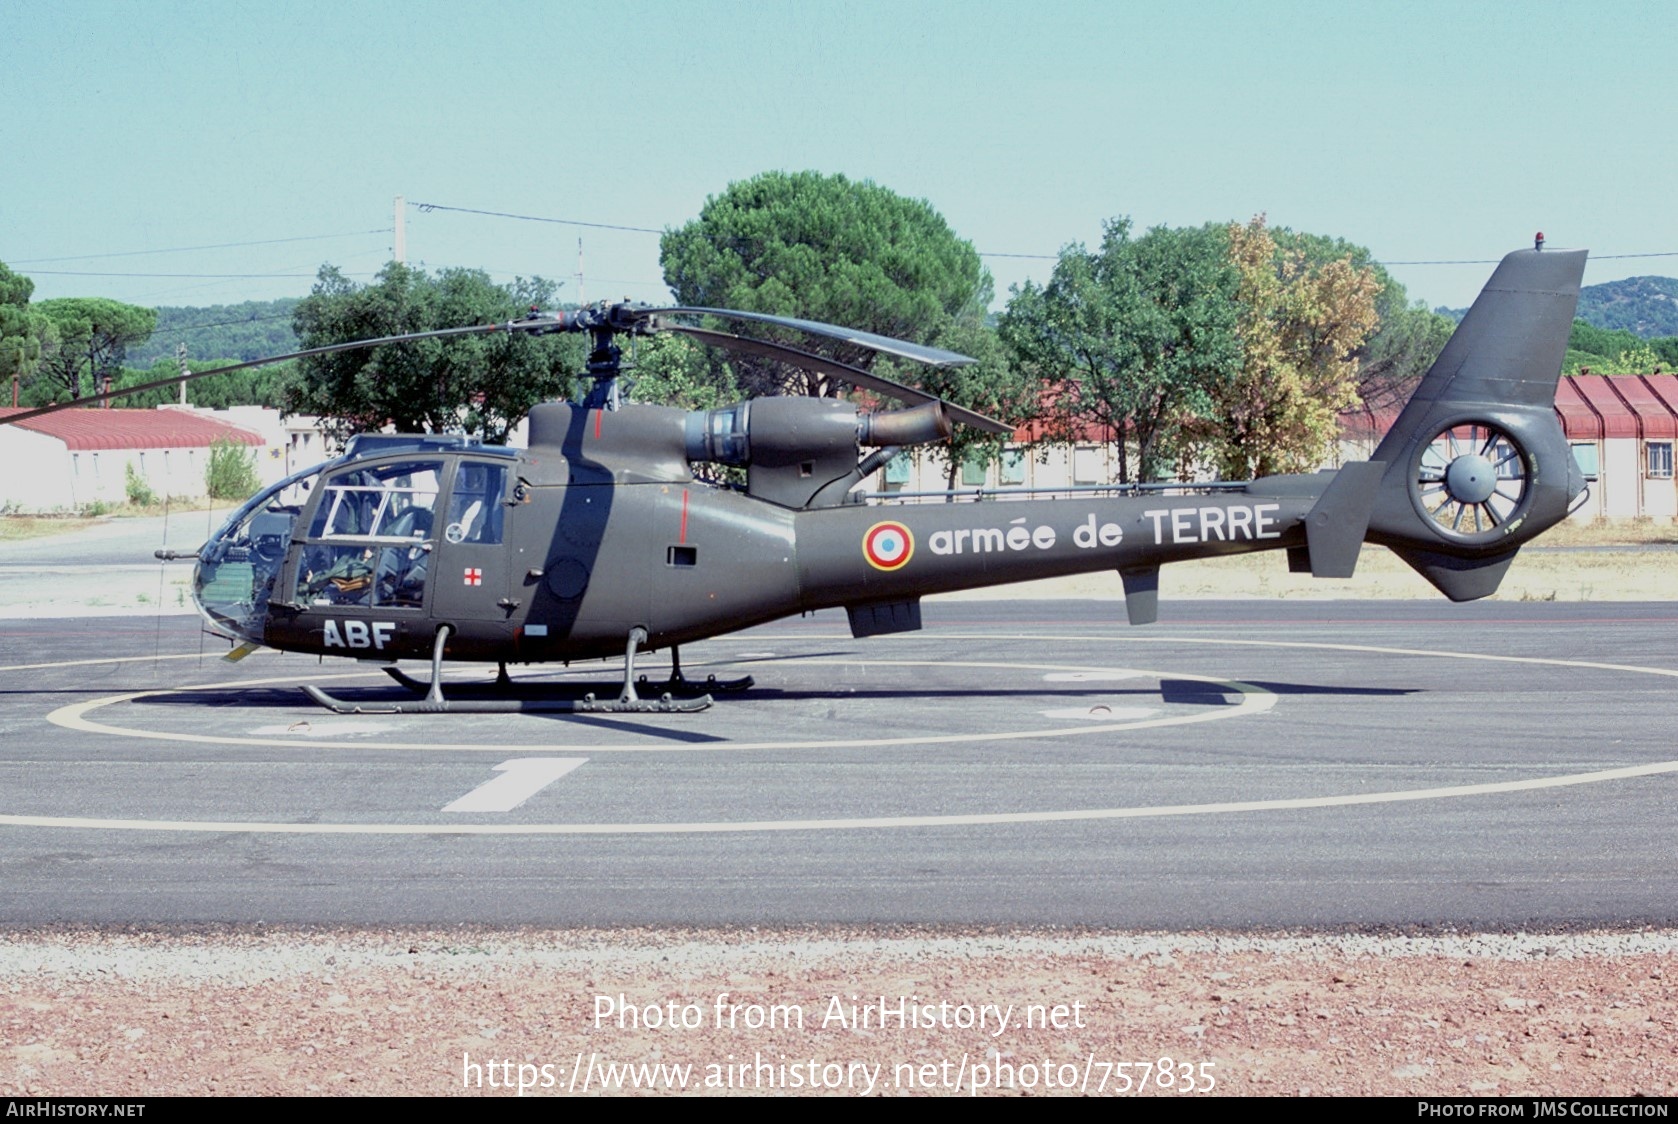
(1471, 478)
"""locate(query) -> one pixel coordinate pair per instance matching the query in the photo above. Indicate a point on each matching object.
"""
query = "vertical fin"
(1141, 594)
(1334, 528)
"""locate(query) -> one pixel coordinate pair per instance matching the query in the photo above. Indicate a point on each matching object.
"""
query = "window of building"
(974, 472)
(1586, 456)
(1088, 465)
(1013, 468)
(897, 473)
(1660, 459)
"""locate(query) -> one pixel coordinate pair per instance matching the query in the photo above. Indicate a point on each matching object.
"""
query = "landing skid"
(588, 704)
(677, 686)
(433, 702)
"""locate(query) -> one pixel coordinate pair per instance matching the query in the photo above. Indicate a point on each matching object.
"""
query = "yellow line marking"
(108, 659)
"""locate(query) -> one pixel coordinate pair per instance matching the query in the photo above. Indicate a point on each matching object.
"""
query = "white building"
(71, 459)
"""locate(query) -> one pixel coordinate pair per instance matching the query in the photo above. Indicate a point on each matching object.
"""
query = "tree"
(1407, 337)
(673, 370)
(992, 385)
(24, 333)
(479, 384)
(262, 386)
(825, 248)
(1300, 328)
(93, 336)
(1131, 337)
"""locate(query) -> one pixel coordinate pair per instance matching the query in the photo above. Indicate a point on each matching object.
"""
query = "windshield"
(237, 568)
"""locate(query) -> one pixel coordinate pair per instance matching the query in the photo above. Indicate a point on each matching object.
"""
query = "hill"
(1646, 306)
(1643, 306)
(220, 331)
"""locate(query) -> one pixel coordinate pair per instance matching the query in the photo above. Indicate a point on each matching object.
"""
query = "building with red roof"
(71, 459)
(1622, 429)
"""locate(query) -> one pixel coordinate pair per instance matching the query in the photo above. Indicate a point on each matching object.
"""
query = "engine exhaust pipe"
(922, 425)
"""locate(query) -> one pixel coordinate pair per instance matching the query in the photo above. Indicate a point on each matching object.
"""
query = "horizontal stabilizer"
(1334, 529)
(878, 618)
(1460, 579)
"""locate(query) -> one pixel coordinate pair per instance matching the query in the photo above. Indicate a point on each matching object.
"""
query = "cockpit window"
(381, 501)
(475, 503)
(237, 567)
(374, 532)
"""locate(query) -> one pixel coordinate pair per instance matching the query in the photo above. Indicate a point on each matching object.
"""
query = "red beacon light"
(1538, 240)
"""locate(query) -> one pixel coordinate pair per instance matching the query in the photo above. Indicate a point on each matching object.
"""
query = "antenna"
(581, 299)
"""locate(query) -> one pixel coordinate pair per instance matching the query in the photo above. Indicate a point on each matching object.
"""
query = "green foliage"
(1302, 323)
(1131, 337)
(262, 386)
(1396, 355)
(1407, 337)
(231, 473)
(825, 248)
(672, 370)
(479, 384)
(1644, 306)
(25, 334)
(93, 336)
(252, 330)
(139, 490)
(1609, 351)
(994, 386)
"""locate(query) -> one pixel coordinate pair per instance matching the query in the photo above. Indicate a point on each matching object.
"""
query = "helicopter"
(603, 538)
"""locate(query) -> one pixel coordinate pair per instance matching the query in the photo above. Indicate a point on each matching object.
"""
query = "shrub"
(139, 491)
(231, 474)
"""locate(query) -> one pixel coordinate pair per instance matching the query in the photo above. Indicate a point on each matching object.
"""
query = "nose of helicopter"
(239, 567)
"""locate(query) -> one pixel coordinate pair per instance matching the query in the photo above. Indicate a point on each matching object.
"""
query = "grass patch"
(15, 528)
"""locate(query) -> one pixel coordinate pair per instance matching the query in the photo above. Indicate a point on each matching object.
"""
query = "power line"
(220, 276)
(1495, 261)
(427, 207)
(187, 249)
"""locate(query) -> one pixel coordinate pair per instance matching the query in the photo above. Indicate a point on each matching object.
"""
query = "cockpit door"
(470, 561)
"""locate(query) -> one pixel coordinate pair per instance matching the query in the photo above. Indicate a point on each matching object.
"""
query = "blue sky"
(1422, 131)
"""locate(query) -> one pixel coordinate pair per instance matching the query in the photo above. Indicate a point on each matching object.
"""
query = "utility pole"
(581, 300)
(401, 231)
(180, 361)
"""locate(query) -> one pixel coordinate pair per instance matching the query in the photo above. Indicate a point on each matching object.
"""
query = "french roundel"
(887, 546)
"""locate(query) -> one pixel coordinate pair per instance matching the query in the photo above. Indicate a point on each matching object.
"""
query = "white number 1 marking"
(520, 779)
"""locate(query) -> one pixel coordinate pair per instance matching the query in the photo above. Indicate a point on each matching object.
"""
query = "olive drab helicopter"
(601, 538)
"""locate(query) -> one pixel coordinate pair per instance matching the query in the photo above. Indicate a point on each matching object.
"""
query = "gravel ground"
(470, 1011)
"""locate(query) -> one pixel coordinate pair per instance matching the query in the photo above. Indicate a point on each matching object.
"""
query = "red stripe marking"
(597, 416)
(683, 537)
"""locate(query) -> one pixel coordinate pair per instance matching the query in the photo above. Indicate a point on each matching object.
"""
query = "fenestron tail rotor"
(1472, 481)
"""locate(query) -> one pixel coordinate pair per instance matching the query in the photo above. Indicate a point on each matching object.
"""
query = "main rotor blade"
(176, 380)
(920, 353)
(763, 349)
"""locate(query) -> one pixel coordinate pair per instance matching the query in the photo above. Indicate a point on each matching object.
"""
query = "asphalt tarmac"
(1254, 764)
